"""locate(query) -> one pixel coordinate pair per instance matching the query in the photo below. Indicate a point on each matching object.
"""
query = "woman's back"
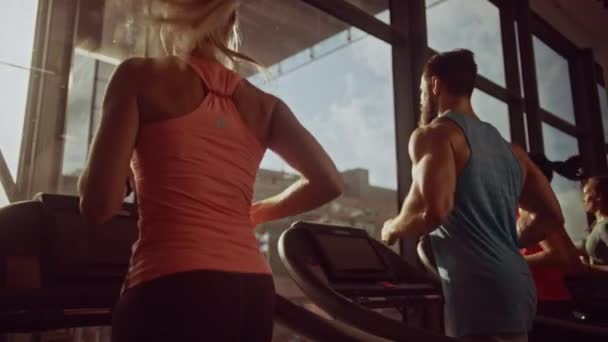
(195, 163)
(194, 134)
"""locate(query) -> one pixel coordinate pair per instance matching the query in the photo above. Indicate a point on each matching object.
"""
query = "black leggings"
(197, 306)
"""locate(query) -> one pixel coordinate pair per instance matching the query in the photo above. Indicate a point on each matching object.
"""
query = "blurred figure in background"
(595, 198)
(550, 259)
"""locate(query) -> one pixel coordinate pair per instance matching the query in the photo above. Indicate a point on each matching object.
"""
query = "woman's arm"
(543, 258)
(102, 185)
(320, 181)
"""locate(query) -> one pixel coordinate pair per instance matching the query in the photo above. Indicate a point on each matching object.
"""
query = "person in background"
(194, 132)
(551, 259)
(595, 199)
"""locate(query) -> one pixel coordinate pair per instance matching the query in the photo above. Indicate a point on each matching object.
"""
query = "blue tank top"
(486, 282)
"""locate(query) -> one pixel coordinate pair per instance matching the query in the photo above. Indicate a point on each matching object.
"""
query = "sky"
(15, 16)
(344, 98)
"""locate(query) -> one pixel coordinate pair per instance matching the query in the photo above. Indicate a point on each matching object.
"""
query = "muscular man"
(467, 185)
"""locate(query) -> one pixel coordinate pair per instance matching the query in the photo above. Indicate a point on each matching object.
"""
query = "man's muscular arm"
(431, 195)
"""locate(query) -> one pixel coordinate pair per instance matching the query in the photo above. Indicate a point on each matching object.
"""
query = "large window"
(470, 24)
(15, 70)
(554, 88)
(558, 147)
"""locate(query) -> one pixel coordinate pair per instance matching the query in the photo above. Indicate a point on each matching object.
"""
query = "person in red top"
(548, 260)
(548, 278)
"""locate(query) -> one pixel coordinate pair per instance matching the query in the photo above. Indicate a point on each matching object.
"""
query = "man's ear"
(435, 86)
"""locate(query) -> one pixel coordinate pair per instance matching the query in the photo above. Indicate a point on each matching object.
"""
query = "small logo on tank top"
(220, 122)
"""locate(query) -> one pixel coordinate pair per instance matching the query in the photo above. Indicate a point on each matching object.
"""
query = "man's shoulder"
(431, 138)
(436, 129)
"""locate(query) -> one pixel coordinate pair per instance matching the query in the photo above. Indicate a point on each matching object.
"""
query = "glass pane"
(554, 89)
(89, 78)
(558, 147)
(78, 113)
(492, 111)
(470, 24)
(604, 108)
(15, 68)
(3, 198)
(377, 8)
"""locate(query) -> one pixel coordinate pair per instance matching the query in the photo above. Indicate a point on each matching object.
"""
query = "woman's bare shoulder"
(247, 94)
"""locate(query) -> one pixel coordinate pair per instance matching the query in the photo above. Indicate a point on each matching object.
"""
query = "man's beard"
(428, 110)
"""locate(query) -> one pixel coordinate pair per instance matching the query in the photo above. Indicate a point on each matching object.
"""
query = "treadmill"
(348, 274)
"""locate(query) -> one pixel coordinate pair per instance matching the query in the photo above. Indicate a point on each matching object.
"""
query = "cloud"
(361, 130)
(554, 91)
(375, 55)
(345, 99)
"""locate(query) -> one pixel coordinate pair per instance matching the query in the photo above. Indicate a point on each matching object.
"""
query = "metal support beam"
(559, 123)
(526, 50)
(588, 112)
(6, 180)
(552, 37)
(409, 56)
(514, 100)
(490, 87)
(42, 142)
(357, 17)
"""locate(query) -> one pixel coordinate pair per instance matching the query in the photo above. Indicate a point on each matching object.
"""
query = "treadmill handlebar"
(337, 305)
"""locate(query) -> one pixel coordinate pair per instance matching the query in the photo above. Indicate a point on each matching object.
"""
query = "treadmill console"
(352, 276)
(349, 255)
(353, 264)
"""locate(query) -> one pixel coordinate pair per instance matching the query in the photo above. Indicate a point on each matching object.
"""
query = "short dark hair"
(456, 69)
(599, 185)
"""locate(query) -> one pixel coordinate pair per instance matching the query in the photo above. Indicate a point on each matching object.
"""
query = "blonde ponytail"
(209, 27)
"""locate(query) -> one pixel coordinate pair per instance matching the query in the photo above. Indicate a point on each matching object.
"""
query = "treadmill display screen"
(351, 257)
